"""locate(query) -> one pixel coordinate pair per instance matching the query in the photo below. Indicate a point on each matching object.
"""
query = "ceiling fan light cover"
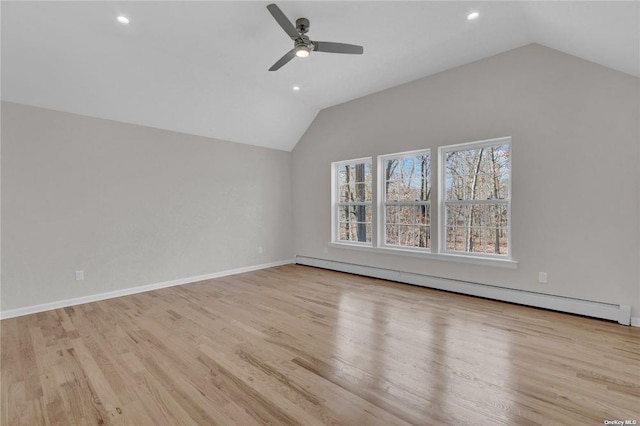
(302, 51)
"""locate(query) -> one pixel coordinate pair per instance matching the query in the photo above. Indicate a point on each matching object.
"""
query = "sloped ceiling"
(201, 67)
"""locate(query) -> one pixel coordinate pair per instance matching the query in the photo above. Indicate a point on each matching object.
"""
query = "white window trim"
(381, 203)
(335, 211)
(442, 150)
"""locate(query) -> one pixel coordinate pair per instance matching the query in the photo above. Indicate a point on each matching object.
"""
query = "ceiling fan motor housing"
(302, 25)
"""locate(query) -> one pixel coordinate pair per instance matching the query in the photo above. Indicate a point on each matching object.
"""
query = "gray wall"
(575, 167)
(130, 205)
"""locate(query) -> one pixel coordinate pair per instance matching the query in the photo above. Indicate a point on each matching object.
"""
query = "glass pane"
(391, 214)
(392, 190)
(359, 172)
(425, 232)
(407, 226)
(368, 230)
(404, 235)
(421, 239)
(391, 235)
(425, 171)
(360, 213)
(504, 240)
(408, 178)
(347, 193)
(352, 231)
(415, 236)
(456, 215)
(407, 215)
(478, 174)
(454, 238)
(424, 215)
(342, 175)
(391, 170)
(359, 192)
(367, 172)
(355, 223)
(477, 228)
(491, 215)
(343, 213)
(349, 176)
(344, 232)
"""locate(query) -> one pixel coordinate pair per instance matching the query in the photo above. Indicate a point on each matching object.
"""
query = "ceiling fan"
(302, 44)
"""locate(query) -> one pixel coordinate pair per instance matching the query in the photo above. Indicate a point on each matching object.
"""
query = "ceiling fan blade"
(327, 46)
(284, 22)
(286, 58)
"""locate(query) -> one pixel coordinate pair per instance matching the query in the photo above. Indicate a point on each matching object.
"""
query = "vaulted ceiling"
(201, 67)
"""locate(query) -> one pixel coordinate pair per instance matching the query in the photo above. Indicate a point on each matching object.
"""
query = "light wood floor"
(298, 345)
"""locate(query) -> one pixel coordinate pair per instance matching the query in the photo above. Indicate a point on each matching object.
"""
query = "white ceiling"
(201, 67)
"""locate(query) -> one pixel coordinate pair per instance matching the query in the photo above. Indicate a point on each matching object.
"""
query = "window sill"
(353, 246)
(447, 257)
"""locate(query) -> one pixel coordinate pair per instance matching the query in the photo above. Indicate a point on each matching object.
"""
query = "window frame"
(336, 203)
(381, 202)
(442, 201)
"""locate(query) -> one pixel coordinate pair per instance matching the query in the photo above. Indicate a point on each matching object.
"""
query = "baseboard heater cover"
(612, 312)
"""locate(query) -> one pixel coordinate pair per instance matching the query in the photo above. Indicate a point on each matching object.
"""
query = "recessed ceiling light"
(472, 16)
(123, 19)
(296, 88)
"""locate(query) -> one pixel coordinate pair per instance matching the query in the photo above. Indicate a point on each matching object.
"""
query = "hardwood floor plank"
(300, 345)
(101, 387)
(31, 378)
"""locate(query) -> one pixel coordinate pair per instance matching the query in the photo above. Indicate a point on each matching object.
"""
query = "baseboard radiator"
(612, 312)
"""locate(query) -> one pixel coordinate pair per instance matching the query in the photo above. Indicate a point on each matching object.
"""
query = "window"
(472, 193)
(404, 207)
(352, 216)
(475, 198)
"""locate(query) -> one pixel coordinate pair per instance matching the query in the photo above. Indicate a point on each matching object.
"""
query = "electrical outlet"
(79, 275)
(542, 277)
(260, 250)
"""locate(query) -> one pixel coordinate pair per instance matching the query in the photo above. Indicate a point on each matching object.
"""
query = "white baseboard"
(619, 313)
(11, 313)
(635, 321)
